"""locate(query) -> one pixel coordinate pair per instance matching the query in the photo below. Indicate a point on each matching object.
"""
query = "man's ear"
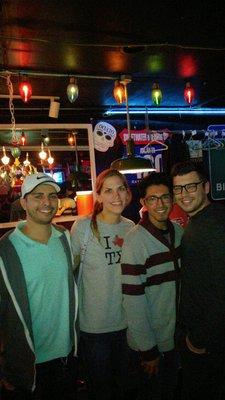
(142, 202)
(23, 203)
(207, 187)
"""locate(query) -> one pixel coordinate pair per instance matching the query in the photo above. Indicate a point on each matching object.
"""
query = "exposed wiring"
(115, 45)
(11, 108)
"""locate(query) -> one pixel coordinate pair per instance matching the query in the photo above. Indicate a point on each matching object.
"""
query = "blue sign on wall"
(216, 128)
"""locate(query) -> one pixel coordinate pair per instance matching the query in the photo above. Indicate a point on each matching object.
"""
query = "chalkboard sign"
(217, 173)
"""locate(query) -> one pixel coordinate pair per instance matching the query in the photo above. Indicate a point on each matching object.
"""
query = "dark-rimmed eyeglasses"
(152, 200)
(190, 187)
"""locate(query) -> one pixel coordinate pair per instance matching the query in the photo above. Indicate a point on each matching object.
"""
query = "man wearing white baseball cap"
(32, 181)
(38, 300)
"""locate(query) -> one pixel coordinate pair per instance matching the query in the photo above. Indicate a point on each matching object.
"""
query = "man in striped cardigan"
(150, 283)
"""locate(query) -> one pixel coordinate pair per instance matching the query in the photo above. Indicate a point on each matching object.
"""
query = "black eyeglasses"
(190, 187)
(152, 200)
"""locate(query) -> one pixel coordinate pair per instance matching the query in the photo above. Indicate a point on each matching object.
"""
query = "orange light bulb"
(119, 92)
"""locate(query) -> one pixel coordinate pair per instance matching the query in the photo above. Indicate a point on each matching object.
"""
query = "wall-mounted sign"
(104, 136)
(143, 136)
(220, 129)
(217, 173)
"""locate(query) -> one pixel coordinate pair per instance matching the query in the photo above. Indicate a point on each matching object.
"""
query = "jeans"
(55, 380)
(105, 358)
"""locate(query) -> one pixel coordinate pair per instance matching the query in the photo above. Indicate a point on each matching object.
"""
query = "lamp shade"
(132, 165)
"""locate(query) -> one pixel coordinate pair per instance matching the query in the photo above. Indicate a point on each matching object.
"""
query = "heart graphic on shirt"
(118, 241)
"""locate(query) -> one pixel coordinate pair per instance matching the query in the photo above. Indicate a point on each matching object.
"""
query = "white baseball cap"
(33, 180)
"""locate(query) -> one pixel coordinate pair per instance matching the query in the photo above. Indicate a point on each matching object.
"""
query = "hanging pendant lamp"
(131, 164)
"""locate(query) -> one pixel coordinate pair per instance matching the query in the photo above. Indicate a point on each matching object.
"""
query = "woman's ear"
(99, 198)
(128, 198)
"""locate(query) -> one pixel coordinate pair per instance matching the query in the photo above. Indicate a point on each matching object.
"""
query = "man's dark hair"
(185, 167)
(154, 178)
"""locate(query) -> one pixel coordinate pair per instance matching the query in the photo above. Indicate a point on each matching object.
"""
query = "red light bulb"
(25, 90)
(189, 93)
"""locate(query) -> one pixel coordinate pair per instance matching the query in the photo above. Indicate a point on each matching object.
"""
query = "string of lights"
(72, 88)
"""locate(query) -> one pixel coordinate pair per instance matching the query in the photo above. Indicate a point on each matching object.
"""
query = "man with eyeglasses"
(150, 281)
(201, 328)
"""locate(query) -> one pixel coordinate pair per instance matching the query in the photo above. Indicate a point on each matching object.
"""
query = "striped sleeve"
(140, 333)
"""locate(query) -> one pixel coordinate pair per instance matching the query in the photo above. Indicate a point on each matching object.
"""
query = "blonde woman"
(101, 317)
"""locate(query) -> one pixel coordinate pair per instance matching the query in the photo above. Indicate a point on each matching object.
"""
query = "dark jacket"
(202, 303)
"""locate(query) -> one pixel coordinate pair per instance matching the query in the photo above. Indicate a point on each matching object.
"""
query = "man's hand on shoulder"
(194, 349)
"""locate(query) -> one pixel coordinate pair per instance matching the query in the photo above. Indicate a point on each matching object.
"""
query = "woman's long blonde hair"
(98, 207)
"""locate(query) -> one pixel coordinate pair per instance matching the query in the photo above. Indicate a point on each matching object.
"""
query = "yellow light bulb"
(50, 158)
(26, 162)
(42, 154)
(5, 159)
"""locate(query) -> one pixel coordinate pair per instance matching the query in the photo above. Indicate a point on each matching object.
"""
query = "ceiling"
(169, 42)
